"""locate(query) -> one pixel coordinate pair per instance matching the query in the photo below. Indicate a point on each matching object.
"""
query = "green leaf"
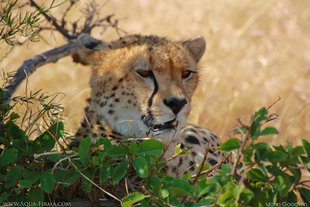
(57, 129)
(14, 131)
(246, 196)
(297, 151)
(305, 194)
(247, 155)
(139, 163)
(25, 183)
(133, 147)
(5, 142)
(204, 187)
(160, 190)
(99, 157)
(187, 176)
(33, 177)
(118, 172)
(46, 141)
(263, 168)
(59, 175)
(96, 160)
(71, 176)
(179, 151)
(229, 145)
(256, 175)
(269, 130)
(25, 146)
(3, 196)
(276, 156)
(8, 156)
(1, 94)
(17, 191)
(227, 168)
(104, 173)
(260, 150)
(274, 170)
(306, 146)
(279, 183)
(14, 116)
(87, 186)
(118, 150)
(84, 148)
(150, 147)
(181, 184)
(13, 176)
(35, 195)
(297, 174)
(261, 114)
(47, 182)
(132, 198)
(291, 197)
(258, 117)
(227, 199)
(107, 144)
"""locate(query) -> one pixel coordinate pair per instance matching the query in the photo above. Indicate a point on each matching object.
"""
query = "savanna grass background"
(257, 51)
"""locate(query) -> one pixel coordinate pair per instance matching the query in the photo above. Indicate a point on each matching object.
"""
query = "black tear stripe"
(148, 119)
(150, 101)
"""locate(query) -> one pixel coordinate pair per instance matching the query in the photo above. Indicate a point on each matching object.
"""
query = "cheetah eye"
(187, 73)
(145, 73)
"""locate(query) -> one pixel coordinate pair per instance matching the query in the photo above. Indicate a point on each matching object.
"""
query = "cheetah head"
(143, 85)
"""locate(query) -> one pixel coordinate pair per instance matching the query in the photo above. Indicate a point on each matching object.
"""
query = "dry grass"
(257, 51)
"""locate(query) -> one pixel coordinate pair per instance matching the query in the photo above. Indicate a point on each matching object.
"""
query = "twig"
(30, 66)
(50, 153)
(106, 192)
(154, 197)
(274, 103)
(202, 165)
(52, 20)
(76, 168)
(63, 20)
(55, 137)
(235, 166)
(214, 167)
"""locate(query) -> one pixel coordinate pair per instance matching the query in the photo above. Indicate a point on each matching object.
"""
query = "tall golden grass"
(257, 51)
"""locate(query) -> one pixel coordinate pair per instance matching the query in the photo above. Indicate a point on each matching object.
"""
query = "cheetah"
(141, 86)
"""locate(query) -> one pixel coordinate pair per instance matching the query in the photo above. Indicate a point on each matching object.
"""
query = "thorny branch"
(30, 66)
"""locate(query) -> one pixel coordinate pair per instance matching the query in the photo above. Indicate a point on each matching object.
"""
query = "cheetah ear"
(88, 45)
(196, 47)
(91, 43)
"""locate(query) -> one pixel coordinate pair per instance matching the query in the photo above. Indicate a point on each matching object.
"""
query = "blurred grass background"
(257, 51)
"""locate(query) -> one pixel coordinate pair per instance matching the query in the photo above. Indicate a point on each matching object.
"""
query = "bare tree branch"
(52, 20)
(63, 19)
(30, 66)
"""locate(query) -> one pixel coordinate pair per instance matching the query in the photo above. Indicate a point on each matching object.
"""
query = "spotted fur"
(141, 86)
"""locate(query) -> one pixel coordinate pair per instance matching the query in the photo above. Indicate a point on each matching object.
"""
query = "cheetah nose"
(175, 104)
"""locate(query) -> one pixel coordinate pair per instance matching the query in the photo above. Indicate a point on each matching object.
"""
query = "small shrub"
(43, 169)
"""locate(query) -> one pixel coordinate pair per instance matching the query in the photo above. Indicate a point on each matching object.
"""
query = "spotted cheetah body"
(141, 86)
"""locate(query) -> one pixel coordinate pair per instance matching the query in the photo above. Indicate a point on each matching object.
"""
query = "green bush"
(43, 169)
